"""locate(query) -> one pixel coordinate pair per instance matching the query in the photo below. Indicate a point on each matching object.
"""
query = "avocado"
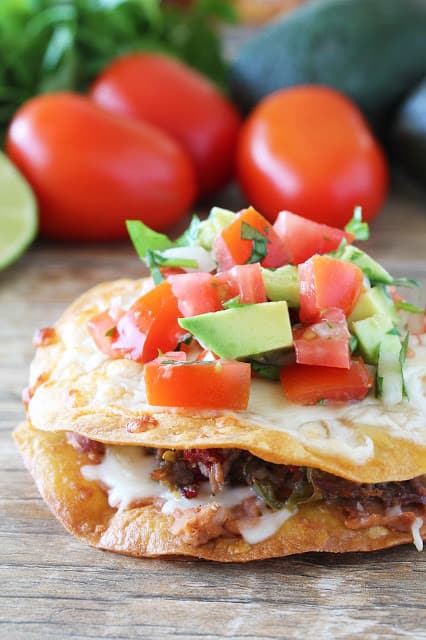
(282, 284)
(372, 269)
(243, 331)
(374, 51)
(369, 333)
(373, 301)
(390, 381)
(409, 134)
(208, 229)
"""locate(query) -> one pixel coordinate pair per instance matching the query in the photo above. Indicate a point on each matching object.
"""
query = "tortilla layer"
(76, 387)
(82, 507)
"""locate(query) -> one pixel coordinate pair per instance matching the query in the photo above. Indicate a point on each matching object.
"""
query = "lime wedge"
(18, 213)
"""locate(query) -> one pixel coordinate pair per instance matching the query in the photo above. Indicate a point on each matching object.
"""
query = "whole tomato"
(179, 100)
(308, 149)
(91, 170)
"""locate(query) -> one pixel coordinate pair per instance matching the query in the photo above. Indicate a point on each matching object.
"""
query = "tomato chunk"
(325, 343)
(325, 283)
(303, 238)
(230, 248)
(150, 325)
(306, 384)
(244, 281)
(220, 384)
(103, 329)
(196, 293)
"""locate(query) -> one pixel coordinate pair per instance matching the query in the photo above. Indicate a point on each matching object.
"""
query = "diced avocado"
(372, 269)
(243, 331)
(208, 230)
(390, 381)
(373, 301)
(370, 333)
(282, 284)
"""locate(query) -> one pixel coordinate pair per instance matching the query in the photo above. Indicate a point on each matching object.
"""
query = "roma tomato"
(216, 384)
(328, 283)
(325, 343)
(91, 170)
(172, 96)
(308, 149)
(303, 238)
(304, 384)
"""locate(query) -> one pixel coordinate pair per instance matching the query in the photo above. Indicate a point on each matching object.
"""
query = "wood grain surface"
(53, 586)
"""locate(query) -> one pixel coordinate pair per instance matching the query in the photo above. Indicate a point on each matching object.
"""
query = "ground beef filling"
(394, 505)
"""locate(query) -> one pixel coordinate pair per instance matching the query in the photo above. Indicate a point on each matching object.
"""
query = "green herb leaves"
(57, 46)
(259, 240)
(356, 226)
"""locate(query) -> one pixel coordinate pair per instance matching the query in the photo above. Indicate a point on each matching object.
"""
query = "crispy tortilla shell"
(76, 387)
(82, 507)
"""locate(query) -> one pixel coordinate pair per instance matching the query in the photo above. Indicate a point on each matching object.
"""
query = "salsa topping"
(295, 301)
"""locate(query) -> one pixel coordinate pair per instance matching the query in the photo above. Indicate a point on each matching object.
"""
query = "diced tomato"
(230, 249)
(244, 281)
(150, 325)
(325, 343)
(304, 238)
(220, 384)
(103, 329)
(326, 283)
(306, 384)
(196, 293)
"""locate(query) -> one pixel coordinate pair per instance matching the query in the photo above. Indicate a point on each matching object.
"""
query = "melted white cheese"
(126, 472)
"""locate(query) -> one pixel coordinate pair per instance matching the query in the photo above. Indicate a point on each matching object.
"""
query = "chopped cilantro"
(406, 306)
(402, 359)
(269, 371)
(145, 239)
(356, 226)
(190, 236)
(353, 344)
(259, 240)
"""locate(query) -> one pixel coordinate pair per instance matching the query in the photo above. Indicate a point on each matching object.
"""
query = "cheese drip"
(126, 471)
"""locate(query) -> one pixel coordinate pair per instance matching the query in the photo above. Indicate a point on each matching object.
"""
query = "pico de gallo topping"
(237, 297)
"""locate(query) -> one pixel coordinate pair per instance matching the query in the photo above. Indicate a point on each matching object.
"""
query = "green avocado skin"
(409, 134)
(374, 51)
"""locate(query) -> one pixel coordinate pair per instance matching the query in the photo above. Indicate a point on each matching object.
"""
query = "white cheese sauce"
(126, 472)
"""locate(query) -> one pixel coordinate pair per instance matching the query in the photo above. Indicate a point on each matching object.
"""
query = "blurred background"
(310, 106)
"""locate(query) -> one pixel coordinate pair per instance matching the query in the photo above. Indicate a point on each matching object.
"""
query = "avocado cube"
(243, 331)
(370, 333)
(372, 269)
(282, 284)
(372, 301)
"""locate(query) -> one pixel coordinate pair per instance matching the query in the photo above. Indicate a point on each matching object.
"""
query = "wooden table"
(53, 586)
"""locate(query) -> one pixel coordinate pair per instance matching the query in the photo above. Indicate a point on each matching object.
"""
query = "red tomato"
(230, 248)
(244, 281)
(103, 329)
(220, 384)
(196, 293)
(309, 149)
(324, 344)
(172, 96)
(150, 325)
(91, 170)
(308, 385)
(303, 238)
(326, 283)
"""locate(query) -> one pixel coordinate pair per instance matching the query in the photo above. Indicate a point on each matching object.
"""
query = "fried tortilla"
(82, 506)
(74, 386)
